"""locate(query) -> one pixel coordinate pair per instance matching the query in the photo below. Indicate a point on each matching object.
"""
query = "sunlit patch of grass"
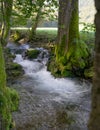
(48, 32)
(52, 33)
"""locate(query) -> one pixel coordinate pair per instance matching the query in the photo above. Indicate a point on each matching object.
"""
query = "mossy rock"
(13, 70)
(9, 57)
(32, 53)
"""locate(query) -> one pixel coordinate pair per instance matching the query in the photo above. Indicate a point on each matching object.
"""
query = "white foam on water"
(37, 70)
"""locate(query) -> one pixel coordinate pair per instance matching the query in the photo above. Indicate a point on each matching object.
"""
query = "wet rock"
(32, 53)
(13, 70)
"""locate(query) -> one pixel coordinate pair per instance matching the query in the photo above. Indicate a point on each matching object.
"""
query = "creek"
(49, 103)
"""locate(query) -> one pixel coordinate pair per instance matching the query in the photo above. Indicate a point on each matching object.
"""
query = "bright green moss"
(32, 54)
(75, 59)
(2, 69)
(8, 98)
(88, 73)
(61, 49)
(77, 54)
(74, 24)
(14, 97)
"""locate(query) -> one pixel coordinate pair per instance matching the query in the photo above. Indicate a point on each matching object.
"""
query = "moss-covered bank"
(75, 62)
(8, 97)
(13, 70)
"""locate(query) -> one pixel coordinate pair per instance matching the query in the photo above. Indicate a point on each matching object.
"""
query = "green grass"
(52, 34)
(86, 37)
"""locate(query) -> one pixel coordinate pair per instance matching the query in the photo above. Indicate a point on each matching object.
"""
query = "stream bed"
(49, 103)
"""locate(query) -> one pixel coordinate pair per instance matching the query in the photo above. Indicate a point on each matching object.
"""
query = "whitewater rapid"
(49, 103)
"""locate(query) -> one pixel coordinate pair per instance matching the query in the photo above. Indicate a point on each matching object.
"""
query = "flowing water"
(49, 103)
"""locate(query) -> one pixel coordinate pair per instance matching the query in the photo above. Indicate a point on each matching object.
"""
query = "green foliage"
(88, 73)
(78, 53)
(9, 100)
(8, 97)
(29, 9)
(87, 37)
(53, 67)
(14, 97)
(15, 36)
(73, 62)
(66, 73)
(88, 27)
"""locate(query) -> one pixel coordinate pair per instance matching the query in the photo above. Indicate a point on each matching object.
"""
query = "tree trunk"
(68, 26)
(4, 107)
(36, 21)
(65, 11)
(5, 102)
(94, 122)
(71, 53)
(6, 9)
(74, 23)
(2, 70)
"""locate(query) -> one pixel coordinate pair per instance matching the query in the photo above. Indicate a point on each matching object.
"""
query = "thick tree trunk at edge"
(94, 122)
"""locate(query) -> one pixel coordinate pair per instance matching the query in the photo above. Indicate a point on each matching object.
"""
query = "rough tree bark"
(6, 10)
(68, 22)
(68, 26)
(94, 122)
(65, 10)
